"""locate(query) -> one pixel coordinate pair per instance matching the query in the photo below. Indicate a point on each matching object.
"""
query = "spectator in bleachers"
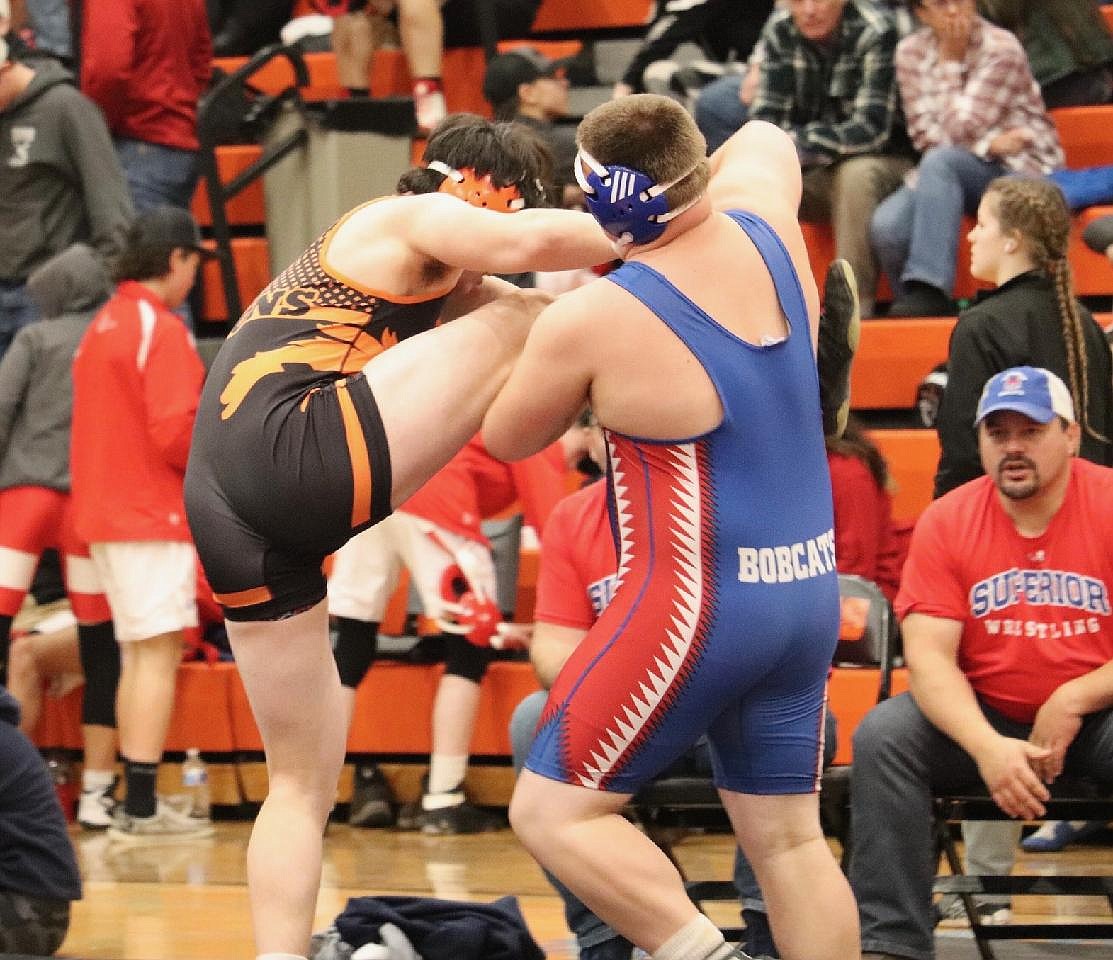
(146, 65)
(35, 511)
(827, 78)
(974, 111)
(524, 86)
(1019, 244)
(60, 181)
(868, 541)
(136, 384)
(38, 871)
(1068, 43)
(51, 28)
(990, 568)
(435, 531)
(724, 30)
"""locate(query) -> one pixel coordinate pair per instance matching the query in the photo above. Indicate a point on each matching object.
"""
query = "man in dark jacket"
(60, 180)
(38, 869)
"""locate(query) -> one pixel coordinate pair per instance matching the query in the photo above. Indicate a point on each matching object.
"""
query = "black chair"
(1070, 800)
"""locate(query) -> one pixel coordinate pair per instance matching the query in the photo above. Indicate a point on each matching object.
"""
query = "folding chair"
(1070, 800)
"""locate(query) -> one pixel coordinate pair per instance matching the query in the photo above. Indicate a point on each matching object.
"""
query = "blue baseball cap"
(1033, 391)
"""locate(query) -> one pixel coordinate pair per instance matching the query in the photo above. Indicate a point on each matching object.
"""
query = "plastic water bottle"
(61, 773)
(195, 779)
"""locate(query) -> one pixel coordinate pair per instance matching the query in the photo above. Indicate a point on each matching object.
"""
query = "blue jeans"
(50, 22)
(718, 111)
(915, 231)
(900, 761)
(16, 311)
(156, 174)
(590, 931)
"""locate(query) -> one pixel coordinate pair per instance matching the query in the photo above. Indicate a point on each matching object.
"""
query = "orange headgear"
(478, 191)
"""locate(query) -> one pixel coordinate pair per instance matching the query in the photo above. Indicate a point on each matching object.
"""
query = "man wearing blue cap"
(1008, 637)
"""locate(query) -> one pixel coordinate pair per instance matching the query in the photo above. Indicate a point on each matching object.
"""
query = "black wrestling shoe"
(840, 325)
(372, 801)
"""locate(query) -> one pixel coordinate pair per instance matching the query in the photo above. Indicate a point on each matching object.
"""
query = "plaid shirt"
(838, 102)
(967, 104)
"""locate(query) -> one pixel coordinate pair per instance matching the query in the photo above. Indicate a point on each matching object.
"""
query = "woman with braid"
(1019, 244)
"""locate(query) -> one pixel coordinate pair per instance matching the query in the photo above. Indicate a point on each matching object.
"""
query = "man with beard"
(1008, 636)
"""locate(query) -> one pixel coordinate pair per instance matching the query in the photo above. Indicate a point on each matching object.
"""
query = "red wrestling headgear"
(478, 191)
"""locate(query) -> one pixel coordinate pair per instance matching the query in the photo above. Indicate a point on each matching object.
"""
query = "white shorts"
(365, 570)
(151, 586)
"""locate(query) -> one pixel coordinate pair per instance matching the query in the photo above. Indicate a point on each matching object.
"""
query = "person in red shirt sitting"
(136, 384)
(1008, 637)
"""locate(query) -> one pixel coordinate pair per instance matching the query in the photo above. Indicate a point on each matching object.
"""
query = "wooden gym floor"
(189, 901)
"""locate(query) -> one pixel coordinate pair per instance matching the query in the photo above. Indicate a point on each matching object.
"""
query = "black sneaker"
(372, 801)
(459, 818)
(922, 300)
(840, 325)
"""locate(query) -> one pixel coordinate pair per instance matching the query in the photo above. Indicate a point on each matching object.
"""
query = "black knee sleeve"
(356, 644)
(100, 661)
(463, 659)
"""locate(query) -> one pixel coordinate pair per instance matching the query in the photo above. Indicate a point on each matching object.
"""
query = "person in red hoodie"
(437, 530)
(136, 385)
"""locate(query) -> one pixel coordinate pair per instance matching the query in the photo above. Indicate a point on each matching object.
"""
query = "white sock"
(99, 780)
(446, 772)
(699, 939)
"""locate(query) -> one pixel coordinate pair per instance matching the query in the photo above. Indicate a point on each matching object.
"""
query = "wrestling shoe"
(166, 826)
(840, 325)
(372, 800)
(95, 807)
(429, 105)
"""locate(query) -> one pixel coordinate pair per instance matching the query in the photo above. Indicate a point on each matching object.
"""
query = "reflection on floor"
(189, 901)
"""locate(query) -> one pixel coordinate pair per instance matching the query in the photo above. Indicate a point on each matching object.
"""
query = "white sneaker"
(95, 807)
(430, 108)
(166, 826)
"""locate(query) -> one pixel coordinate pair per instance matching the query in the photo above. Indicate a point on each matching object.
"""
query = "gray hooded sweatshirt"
(36, 388)
(60, 179)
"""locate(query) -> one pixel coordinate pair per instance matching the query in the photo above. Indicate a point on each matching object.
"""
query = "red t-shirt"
(578, 563)
(473, 486)
(1035, 610)
(136, 384)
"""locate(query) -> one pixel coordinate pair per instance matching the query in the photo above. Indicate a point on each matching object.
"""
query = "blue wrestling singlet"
(725, 615)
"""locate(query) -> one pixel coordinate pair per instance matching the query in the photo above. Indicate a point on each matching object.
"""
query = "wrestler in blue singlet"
(725, 616)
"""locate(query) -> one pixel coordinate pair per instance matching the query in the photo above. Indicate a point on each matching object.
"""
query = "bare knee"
(23, 668)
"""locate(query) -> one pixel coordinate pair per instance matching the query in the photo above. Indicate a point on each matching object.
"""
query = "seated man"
(1008, 637)
(827, 78)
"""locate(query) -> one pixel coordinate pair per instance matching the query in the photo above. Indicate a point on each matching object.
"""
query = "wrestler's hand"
(1006, 766)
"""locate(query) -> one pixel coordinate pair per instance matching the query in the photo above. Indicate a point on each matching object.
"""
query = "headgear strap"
(478, 191)
(626, 202)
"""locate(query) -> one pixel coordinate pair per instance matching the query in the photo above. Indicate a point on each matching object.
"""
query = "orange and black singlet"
(289, 457)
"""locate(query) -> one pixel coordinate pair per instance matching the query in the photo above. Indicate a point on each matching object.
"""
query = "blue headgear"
(626, 202)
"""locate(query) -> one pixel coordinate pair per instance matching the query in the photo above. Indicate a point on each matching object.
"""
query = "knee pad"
(100, 660)
(464, 659)
(356, 645)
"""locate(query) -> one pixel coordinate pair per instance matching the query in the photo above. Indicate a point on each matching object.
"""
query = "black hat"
(506, 72)
(167, 226)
